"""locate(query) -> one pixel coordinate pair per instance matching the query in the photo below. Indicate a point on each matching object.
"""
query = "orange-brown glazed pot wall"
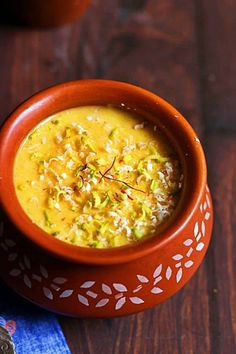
(103, 283)
(45, 13)
(104, 291)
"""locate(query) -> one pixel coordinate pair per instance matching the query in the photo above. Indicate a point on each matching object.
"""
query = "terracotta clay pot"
(44, 13)
(103, 283)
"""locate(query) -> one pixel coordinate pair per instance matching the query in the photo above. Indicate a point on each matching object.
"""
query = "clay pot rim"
(89, 256)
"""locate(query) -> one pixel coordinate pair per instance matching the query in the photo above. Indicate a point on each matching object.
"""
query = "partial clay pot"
(95, 282)
(44, 13)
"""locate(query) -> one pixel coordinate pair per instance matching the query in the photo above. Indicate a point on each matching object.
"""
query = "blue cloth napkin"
(33, 330)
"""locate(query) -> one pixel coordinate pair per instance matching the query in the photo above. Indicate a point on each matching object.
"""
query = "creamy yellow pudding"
(97, 176)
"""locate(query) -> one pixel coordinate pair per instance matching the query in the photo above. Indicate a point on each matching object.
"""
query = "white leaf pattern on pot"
(136, 300)
(120, 287)
(66, 293)
(200, 246)
(106, 289)
(157, 271)
(43, 271)
(120, 303)
(47, 292)
(22, 266)
(188, 242)
(27, 262)
(83, 300)
(102, 302)
(118, 296)
(168, 273)
(203, 228)
(207, 216)
(9, 242)
(27, 281)
(87, 284)
(177, 257)
(92, 294)
(188, 264)
(12, 257)
(198, 238)
(156, 290)
(208, 201)
(37, 277)
(190, 251)
(15, 272)
(178, 265)
(55, 287)
(157, 280)
(179, 275)
(139, 287)
(195, 229)
(142, 278)
(59, 280)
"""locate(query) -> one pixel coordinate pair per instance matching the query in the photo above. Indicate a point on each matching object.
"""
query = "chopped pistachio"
(87, 142)
(34, 134)
(41, 166)
(137, 232)
(21, 187)
(123, 196)
(118, 241)
(55, 121)
(51, 203)
(35, 156)
(91, 167)
(113, 133)
(142, 170)
(101, 162)
(100, 244)
(79, 184)
(96, 199)
(86, 226)
(68, 132)
(154, 185)
(127, 158)
(110, 195)
(115, 203)
(105, 202)
(79, 169)
(87, 206)
(147, 209)
(103, 227)
(58, 194)
(157, 157)
(46, 218)
(153, 149)
(116, 170)
(96, 244)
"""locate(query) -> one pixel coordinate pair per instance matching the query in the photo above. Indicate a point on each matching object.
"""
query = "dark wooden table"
(184, 51)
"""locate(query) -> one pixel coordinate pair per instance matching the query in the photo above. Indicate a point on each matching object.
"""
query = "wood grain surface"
(184, 51)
